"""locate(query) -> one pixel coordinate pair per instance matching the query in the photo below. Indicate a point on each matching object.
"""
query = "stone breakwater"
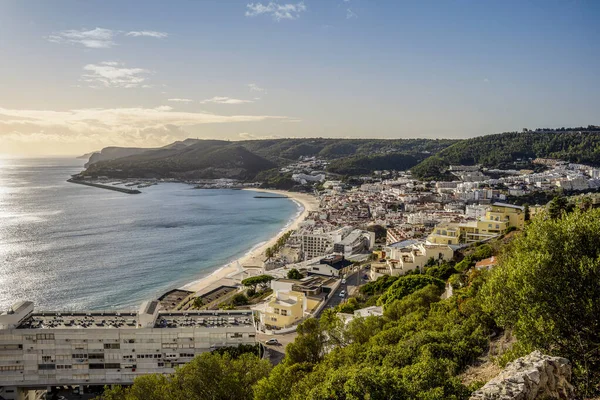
(101, 186)
(535, 376)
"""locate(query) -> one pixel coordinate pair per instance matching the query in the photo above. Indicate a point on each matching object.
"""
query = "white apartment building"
(43, 349)
(355, 242)
(319, 243)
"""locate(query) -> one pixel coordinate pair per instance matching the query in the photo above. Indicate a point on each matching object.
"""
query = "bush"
(294, 274)
(240, 299)
(406, 285)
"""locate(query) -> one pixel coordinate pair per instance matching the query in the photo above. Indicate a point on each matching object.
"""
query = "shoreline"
(255, 256)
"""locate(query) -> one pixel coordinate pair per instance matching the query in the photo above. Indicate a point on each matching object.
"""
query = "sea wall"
(535, 376)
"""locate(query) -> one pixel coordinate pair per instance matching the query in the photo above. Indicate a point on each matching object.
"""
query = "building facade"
(44, 349)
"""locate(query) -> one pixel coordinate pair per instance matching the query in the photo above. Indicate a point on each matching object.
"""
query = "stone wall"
(535, 376)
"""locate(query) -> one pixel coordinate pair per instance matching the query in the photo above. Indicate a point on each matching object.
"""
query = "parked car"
(343, 293)
(344, 281)
(272, 342)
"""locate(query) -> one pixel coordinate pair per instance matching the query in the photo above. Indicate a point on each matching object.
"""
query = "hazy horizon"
(80, 76)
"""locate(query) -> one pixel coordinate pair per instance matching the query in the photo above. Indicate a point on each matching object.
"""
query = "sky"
(77, 76)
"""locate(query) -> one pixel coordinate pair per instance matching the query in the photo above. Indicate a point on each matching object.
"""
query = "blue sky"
(81, 75)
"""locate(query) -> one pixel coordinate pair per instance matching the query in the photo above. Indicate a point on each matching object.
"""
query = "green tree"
(255, 281)
(308, 345)
(198, 302)
(547, 287)
(269, 253)
(294, 274)
(526, 212)
(406, 285)
(559, 206)
(208, 376)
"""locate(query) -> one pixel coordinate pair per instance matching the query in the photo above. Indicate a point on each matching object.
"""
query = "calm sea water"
(68, 246)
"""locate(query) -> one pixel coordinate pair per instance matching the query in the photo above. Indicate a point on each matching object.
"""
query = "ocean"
(66, 246)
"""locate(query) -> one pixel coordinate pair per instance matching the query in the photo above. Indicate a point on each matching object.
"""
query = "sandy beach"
(255, 257)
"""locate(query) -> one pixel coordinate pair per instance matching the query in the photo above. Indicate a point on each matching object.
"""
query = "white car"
(343, 293)
(344, 281)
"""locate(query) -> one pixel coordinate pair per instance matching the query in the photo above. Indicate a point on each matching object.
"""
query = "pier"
(271, 197)
(101, 186)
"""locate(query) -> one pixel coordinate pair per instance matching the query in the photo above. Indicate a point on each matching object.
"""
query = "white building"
(43, 349)
(319, 243)
(355, 242)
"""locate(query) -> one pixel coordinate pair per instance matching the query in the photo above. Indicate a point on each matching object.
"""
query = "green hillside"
(245, 159)
(203, 160)
(580, 145)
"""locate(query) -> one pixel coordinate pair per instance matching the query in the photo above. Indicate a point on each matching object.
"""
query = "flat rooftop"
(114, 320)
(82, 320)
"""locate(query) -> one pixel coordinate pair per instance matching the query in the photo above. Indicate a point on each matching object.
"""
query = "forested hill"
(427, 159)
(579, 145)
(245, 159)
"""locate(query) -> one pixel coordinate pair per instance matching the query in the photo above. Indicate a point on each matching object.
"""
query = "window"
(96, 366)
(46, 358)
(79, 356)
(112, 366)
(112, 345)
(46, 366)
(65, 366)
(11, 368)
(284, 313)
(99, 356)
(44, 336)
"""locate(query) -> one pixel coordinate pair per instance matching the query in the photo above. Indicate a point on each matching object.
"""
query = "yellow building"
(285, 309)
(497, 219)
(513, 215)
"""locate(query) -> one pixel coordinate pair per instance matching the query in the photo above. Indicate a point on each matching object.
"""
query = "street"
(353, 282)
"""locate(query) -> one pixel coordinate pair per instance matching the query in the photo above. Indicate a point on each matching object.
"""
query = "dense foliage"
(545, 291)
(406, 285)
(581, 145)
(366, 164)
(548, 288)
(414, 352)
(208, 376)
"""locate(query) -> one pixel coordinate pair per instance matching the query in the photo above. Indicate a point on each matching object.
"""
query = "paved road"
(353, 281)
(276, 353)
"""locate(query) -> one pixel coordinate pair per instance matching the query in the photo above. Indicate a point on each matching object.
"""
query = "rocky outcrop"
(535, 376)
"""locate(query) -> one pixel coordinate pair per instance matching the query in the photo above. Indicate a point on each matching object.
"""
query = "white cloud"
(181, 100)
(98, 38)
(114, 74)
(251, 136)
(108, 126)
(225, 100)
(255, 88)
(350, 14)
(275, 10)
(154, 34)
